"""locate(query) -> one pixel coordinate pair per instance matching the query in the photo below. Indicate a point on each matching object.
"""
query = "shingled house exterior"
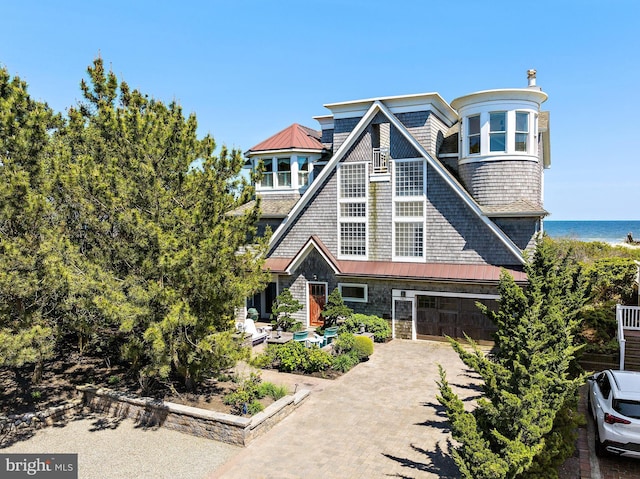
(410, 205)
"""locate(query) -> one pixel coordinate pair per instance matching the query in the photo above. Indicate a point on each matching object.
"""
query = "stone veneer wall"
(198, 422)
(36, 420)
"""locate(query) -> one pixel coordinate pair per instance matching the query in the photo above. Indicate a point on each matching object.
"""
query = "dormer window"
(473, 125)
(522, 130)
(498, 131)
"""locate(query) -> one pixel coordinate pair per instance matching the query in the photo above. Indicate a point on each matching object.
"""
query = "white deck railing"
(380, 160)
(627, 317)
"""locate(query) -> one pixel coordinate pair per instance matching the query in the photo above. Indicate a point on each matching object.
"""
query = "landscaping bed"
(69, 369)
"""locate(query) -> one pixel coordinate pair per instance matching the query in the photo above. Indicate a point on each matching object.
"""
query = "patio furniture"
(327, 337)
(330, 333)
(300, 336)
(257, 337)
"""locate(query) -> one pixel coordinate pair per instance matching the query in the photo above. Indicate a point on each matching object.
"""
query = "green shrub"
(113, 380)
(246, 393)
(291, 356)
(343, 343)
(363, 347)
(267, 358)
(379, 327)
(272, 390)
(317, 360)
(254, 407)
(344, 362)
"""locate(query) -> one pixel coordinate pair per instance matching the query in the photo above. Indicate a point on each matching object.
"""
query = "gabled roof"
(447, 272)
(373, 110)
(294, 137)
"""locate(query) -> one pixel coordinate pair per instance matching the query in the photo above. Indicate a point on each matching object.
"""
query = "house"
(411, 206)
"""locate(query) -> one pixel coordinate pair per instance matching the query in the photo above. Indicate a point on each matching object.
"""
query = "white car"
(614, 402)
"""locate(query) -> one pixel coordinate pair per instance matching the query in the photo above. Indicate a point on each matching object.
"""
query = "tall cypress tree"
(520, 422)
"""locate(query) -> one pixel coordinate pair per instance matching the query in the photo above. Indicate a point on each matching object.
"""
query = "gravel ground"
(118, 449)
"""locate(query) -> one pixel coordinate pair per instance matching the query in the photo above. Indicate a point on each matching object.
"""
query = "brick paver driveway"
(381, 419)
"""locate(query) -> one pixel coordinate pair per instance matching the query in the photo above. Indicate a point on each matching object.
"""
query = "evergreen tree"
(528, 392)
(147, 204)
(335, 309)
(283, 307)
(32, 285)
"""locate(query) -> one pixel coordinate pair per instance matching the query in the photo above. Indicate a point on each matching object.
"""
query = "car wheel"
(600, 450)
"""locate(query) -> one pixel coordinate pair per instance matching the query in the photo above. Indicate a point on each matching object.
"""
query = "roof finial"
(531, 76)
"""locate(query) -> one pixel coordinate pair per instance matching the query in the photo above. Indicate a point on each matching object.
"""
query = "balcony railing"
(628, 318)
(381, 159)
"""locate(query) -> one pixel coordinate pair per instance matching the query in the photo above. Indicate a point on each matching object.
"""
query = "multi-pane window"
(409, 209)
(284, 171)
(473, 135)
(353, 239)
(353, 209)
(522, 130)
(303, 171)
(410, 178)
(498, 131)
(409, 239)
(267, 174)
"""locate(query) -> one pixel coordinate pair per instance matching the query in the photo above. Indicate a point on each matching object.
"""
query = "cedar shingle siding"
(454, 234)
(483, 214)
(491, 183)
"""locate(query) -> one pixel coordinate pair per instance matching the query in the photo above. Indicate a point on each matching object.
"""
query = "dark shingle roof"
(516, 208)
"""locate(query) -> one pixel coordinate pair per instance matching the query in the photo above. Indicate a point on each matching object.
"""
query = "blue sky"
(250, 68)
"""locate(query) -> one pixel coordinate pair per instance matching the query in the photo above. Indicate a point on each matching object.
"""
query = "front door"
(317, 300)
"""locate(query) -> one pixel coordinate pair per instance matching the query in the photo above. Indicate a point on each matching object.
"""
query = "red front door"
(317, 300)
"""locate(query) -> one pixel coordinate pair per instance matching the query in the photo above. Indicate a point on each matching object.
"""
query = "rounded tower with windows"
(501, 155)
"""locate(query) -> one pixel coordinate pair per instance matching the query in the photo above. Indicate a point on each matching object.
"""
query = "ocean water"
(613, 232)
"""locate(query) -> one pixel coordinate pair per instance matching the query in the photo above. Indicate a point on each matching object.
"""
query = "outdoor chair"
(327, 337)
(301, 336)
(330, 333)
(257, 336)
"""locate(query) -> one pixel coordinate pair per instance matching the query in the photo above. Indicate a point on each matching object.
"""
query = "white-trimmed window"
(498, 131)
(356, 293)
(276, 173)
(473, 134)
(409, 210)
(352, 209)
(303, 171)
(522, 131)
(284, 171)
(267, 175)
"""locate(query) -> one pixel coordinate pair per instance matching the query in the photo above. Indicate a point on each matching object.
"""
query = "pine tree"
(283, 307)
(335, 309)
(32, 285)
(147, 204)
(527, 387)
